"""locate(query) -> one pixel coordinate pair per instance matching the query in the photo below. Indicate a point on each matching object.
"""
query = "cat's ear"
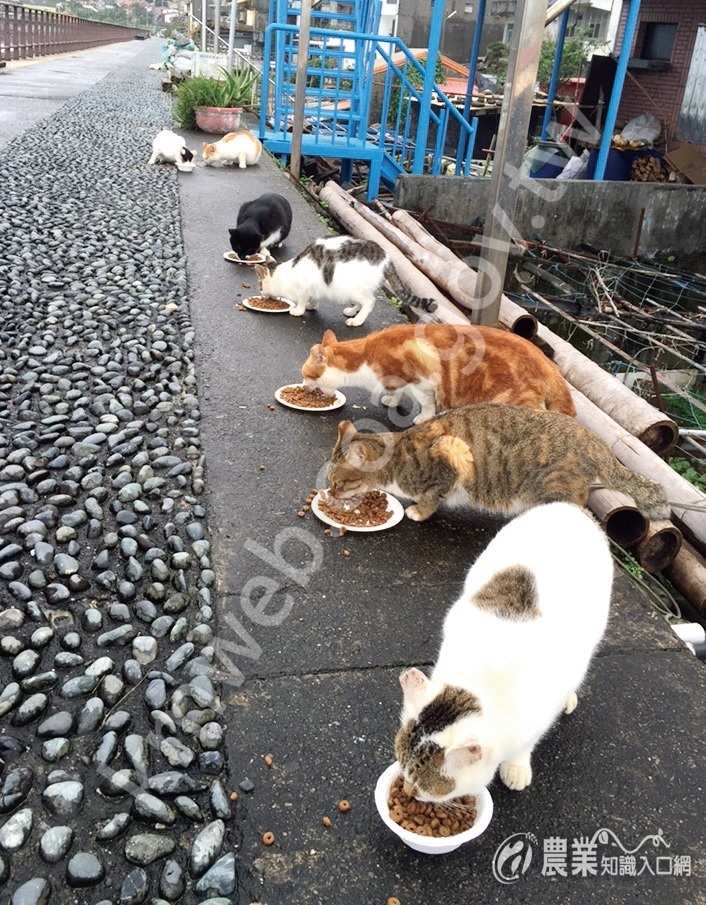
(261, 271)
(466, 749)
(329, 338)
(318, 355)
(414, 684)
(346, 432)
(205, 145)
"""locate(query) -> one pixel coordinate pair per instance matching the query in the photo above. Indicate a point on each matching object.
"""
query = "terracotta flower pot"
(218, 119)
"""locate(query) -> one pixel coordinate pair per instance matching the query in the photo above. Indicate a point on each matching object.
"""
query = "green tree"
(574, 58)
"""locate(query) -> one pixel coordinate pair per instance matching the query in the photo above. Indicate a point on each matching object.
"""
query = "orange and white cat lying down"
(441, 366)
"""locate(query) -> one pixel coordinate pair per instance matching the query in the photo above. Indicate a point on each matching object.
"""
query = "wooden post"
(295, 158)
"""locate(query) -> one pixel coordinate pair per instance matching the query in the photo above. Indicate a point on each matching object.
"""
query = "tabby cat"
(516, 647)
(499, 458)
(240, 147)
(340, 269)
(441, 366)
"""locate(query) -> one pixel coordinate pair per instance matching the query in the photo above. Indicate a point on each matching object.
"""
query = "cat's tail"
(403, 294)
(558, 396)
(649, 496)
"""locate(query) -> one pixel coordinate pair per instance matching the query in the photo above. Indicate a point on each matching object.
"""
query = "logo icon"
(513, 857)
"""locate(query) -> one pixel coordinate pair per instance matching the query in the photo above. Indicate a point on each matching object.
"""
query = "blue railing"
(339, 100)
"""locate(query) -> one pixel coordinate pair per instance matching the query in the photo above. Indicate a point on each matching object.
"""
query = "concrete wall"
(568, 213)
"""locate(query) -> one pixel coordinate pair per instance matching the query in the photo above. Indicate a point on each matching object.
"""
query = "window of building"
(658, 41)
(507, 32)
(468, 8)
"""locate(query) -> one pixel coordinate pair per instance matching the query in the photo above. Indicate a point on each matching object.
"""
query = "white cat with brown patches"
(516, 648)
(339, 269)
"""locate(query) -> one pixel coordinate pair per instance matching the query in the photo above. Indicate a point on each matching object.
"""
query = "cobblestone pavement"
(113, 784)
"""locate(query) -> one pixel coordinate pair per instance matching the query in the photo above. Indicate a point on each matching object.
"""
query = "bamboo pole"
(621, 520)
(688, 504)
(457, 279)
(641, 418)
(342, 208)
(450, 274)
(660, 546)
(463, 289)
(688, 574)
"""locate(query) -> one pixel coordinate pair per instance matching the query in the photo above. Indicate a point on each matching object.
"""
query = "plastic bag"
(645, 127)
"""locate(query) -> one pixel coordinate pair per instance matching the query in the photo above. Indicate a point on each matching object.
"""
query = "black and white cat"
(516, 647)
(341, 269)
(168, 147)
(262, 224)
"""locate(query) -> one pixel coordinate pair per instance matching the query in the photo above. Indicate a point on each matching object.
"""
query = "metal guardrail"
(27, 32)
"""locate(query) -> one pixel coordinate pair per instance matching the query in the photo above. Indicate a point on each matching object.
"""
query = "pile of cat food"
(267, 303)
(306, 397)
(366, 511)
(425, 818)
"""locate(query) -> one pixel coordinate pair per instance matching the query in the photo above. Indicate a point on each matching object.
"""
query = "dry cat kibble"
(344, 805)
(268, 838)
(306, 397)
(326, 821)
(267, 303)
(362, 512)
(427, 818)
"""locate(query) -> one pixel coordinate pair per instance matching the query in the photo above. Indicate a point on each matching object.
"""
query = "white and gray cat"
(516, 647)
(263, 223)
(341, 269)
(168, 147)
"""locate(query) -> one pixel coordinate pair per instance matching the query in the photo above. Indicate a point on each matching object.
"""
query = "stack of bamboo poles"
(638, 433)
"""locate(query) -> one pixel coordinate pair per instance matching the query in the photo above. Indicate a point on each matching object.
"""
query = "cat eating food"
(236, 147)
(442, 366)
(262, 224)
(501, 459)
(168, 147)
(516, 647)
(341, 269)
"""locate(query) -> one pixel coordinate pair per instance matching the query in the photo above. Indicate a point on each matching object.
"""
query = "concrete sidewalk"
(313, 681)
(311, 642)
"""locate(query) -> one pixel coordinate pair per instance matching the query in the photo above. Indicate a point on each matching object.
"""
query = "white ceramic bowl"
(430, 845)
(186, 166)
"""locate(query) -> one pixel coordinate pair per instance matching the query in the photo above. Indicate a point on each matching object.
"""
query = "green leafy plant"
(416, 80)
(692, 470)
(573, 58)
(628, 562)
(234, 89)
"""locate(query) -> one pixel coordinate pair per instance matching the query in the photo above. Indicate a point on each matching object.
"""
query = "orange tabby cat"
(442, 366)
(236, 147)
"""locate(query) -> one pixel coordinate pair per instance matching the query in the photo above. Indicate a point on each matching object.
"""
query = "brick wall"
(661, 93)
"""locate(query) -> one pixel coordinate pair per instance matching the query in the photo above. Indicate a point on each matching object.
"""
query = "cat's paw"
(297, 312)
(388, 399)
(516, 776)
(351, 311)
(414, 513)
(422, 417)
(355, 321)
(572, 703)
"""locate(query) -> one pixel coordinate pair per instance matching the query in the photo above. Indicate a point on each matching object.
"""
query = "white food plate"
(249, 262)
(393, 504)
(340, 400)
(248, 303)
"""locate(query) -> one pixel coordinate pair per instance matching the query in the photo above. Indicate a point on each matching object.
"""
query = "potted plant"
(215, 104)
